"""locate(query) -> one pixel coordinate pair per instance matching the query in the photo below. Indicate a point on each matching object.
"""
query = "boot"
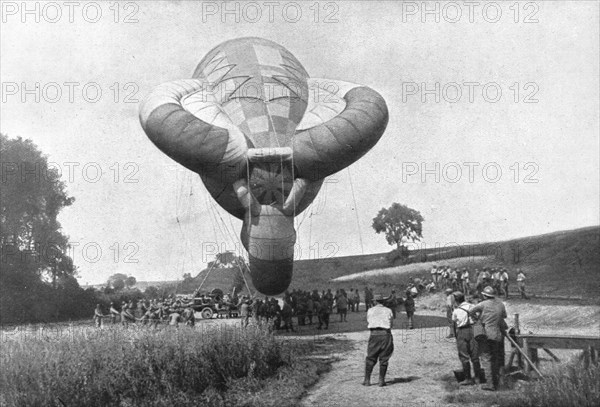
(478, 372)
(467, 371)
(482, 379)
(382, 372)
(368, 370)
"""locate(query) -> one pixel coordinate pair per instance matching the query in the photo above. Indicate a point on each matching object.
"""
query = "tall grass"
(121, 367)
(567, 385)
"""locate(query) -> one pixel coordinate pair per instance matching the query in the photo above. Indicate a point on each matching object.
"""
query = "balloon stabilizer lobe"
(246, 124)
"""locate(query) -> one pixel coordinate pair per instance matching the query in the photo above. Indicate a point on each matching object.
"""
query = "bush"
(116, 366)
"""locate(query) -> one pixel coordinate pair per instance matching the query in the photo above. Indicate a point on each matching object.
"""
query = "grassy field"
(223, 366)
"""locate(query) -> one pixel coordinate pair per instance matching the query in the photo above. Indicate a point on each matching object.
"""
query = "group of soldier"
(306, 306)
(479, 330)
(468, 282)
(148, 312)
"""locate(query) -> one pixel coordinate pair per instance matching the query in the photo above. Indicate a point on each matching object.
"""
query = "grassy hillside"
(565, 263)
(560, 263)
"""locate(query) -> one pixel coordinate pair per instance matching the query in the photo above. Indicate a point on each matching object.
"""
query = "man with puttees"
(468, 349)
(381, 342)
(492, 314)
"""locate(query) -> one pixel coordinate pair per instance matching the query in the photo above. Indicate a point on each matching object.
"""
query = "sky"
(493, 131)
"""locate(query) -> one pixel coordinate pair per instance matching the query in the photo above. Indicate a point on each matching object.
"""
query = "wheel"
(207, 313)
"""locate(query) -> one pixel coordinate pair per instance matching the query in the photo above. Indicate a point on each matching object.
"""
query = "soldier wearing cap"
(492, 314)
(381, 342)
(468, 349)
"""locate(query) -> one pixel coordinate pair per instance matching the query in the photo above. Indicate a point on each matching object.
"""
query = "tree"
(34, 249)
(400, 224)
(118, 284)
(117, 281)
(130, 281)
(151, 292)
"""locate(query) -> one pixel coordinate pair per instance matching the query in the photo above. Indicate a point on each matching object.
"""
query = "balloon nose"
(271, 277)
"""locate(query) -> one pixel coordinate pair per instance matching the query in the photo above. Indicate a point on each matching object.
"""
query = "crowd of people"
(473, 281)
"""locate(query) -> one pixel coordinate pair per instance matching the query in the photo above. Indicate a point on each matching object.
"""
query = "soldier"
(409, 307)
(504, 282)
(393, 303)
(126, 316)
(245, 313)
(98, 315)
(323, 313)
(521, 283)
(342, 305)
(368, 298)
(434, 274)
(351, 300)
(174, 319)
(113, 313)
(492, 313)
(450, 304)
(189, 317)
(286, 316)
(381, 342)
(310, 308)
(466, 287)
(357, 300)
(466, 344)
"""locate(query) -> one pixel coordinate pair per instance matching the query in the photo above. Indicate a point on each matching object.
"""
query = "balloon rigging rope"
(355, 211)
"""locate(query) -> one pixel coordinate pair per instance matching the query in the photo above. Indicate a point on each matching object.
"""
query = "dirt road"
(420, 371)
(420, 367)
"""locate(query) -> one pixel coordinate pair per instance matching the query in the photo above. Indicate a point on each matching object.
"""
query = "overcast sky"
(528, 156)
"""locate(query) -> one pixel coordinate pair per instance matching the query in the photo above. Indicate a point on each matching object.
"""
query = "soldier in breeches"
(381, 342)
(468, 349)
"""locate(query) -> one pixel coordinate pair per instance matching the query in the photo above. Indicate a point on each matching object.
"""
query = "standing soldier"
(357, 300)
(342, 305)
(245, 313)
(368, 298)
(521, 283)
(381, 342)
(504, 282)
(286, 316)
(323, 313)
(453, 279)
(409, 307)
(434, 274)
(450, 304)
(113, 313)
(393, 303)
(466, 287)
(98, 315)
(492, 313)
(479, 274)
(466, 344)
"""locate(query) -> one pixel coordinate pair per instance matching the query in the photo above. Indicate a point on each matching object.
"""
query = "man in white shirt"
(434, 274)
(381, 342)
(521, 283)
(468, 349)
(504, 282)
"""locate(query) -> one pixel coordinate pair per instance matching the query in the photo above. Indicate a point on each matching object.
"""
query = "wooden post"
(519, 341)
(526, 349)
